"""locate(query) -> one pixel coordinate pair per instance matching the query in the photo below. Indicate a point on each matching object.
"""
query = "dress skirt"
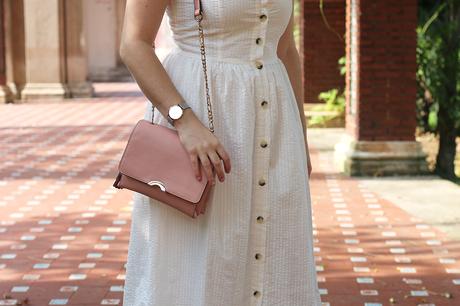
(254, 244)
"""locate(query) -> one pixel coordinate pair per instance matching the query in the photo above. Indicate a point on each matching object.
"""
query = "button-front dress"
(254, 244)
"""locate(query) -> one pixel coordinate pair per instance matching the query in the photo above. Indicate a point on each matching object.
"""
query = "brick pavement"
(64, 229)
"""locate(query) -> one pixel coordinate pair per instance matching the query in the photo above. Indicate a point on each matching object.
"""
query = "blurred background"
(396, 65)
(382, 84)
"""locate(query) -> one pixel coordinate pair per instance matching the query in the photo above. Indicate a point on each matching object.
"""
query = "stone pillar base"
(117, 74)
(81, 90)
(36, 91)
(15, 90)
(6, 95)
(380, 158)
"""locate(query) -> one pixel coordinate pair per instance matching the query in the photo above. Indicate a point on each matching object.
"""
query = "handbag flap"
(154, 155)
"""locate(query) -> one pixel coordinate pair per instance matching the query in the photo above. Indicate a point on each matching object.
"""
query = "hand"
(202, 146)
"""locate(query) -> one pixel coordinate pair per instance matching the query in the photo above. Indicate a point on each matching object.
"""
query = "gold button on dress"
(254, 244)
(261, 182)
(263, 143)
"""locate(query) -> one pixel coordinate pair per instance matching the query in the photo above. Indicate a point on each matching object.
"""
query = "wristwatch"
(176, 111)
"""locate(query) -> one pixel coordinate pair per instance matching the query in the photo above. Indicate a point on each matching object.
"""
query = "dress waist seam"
(215, 59)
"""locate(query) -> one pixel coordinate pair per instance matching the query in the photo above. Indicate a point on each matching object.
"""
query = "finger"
(195, 166)
(225, 158)
(207, 166)
(217, 162)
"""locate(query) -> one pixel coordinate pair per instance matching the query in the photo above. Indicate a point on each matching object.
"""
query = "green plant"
(335, 98)
(438, 78)
(334, 101)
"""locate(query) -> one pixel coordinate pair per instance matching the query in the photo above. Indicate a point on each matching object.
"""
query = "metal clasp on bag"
(157, 183)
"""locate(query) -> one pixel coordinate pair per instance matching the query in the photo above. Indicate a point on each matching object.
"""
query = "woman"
(254, 244)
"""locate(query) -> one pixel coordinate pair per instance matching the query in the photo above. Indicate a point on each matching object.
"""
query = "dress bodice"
(247, 30)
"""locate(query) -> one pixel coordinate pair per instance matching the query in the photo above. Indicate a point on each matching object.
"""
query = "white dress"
(174, 260)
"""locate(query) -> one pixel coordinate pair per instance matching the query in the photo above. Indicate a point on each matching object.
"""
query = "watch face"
(175, 112)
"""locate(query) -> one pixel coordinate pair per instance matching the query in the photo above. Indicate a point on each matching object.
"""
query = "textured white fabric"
(174, 260)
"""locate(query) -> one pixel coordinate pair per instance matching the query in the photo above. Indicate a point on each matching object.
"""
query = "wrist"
(186, 117)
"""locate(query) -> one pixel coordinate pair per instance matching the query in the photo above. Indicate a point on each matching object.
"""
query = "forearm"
(145, 67)
(291, 61)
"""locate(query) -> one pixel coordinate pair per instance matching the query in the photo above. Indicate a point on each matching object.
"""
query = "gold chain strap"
(198, 18)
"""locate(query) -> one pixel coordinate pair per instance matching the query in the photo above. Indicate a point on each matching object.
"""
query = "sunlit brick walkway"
(64, 229)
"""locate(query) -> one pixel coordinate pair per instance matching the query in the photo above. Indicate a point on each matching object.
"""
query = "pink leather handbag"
(156, 164)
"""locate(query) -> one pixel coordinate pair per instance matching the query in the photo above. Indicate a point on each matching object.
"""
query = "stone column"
(15, 46)
(76, 56)
(101, 26)
(381, 90)
(45, 47)
(322, 45)
(5, 92)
